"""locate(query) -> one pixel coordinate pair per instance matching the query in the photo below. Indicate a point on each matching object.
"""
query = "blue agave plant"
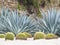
(11, 21)
(50, 21)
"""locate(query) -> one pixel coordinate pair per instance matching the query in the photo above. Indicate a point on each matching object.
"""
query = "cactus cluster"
(21, 36)
(27, 34)
(39, 35)
(51, 36)
(9, 36)
(2, 35)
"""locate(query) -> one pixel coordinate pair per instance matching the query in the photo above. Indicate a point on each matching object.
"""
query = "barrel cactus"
(51, 36)
(27, 34)
(2, 35)
(21, 36)
(9, 36)
(39, 35)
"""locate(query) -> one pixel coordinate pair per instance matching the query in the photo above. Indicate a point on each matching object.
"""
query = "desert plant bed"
(21, 29)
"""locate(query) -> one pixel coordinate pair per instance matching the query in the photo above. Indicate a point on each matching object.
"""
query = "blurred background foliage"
(32, 6)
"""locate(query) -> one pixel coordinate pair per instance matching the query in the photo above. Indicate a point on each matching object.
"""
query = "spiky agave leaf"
(49, 22)
(3, 13)
(16, 23)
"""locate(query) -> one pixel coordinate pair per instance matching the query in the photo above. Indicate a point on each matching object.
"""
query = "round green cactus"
(27, 34)
(51, 36)
(21, 36)
(2, 36)
(9, 36)
(39, 35)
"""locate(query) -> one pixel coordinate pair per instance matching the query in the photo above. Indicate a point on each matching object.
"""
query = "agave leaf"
(14, 22)
(49, 22)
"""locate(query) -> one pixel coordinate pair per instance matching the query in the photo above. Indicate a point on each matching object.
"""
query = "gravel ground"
(30, 42)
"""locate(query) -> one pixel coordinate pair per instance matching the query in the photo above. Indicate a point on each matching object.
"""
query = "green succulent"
(2, 36)
(21, 36)
(27, 34)
(12, 21)
(51, 36)
(39, 35)
(50, 22)
(9, 36)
